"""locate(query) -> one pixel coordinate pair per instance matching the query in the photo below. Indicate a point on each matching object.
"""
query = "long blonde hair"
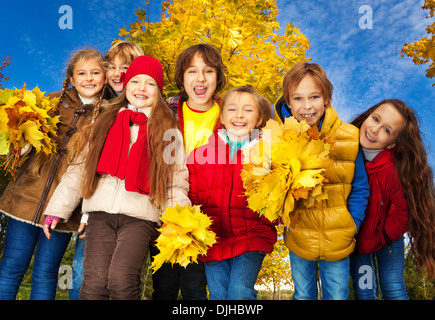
(94, 135)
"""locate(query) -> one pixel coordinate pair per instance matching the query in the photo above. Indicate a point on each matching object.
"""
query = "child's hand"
(26, 149)
(49, 224)
(80, 229)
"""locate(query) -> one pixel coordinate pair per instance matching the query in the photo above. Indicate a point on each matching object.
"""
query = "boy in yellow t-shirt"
(198, 126)
(200, 75)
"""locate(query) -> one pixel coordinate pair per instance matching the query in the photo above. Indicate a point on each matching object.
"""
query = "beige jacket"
(111, 196)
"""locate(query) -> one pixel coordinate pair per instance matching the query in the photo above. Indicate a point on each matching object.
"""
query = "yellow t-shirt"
(198, 126)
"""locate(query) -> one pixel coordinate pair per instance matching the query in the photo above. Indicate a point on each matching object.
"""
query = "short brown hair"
(298, 72)
(211, 57)
(264, 105)
(127, 52)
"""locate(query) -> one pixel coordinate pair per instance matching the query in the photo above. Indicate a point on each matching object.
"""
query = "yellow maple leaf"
(307, 179)
(291, 124)
(4, 146)
(38, 93)
(301, 193)
(32, 134)
(29, 98)
(3, 121)
(288, 207)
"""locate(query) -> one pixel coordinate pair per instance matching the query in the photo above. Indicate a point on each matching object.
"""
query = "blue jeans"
(386, 266)
(20, 241)
(334, 277)
(77, 268)
(234, 279)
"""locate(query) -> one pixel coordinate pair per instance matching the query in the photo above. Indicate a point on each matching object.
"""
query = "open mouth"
(238, 124)
(116, 81)
(369, 137)
(200, 91)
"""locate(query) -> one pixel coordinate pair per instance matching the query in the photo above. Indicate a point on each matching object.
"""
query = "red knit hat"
(144, 65)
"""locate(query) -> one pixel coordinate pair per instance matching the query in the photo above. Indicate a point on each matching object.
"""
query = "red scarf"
(118, 162)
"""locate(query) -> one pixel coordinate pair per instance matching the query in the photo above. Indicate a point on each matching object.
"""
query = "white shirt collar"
(371, 154)
(87, 101)
(146, 111)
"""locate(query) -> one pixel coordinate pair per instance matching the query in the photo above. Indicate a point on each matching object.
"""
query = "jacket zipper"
(384, 233)
(321, 232)
(118, 182)
(48, 184)
(231, 187)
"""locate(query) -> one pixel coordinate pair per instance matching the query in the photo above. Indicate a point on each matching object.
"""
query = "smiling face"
(113, 74)
(88, 78)
(307, 102)
(240, 115)
(199, 82)
(381, 128)
(141, 91)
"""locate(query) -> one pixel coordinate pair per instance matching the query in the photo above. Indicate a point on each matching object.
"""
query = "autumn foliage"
(292, 174)
(275, 271)
(26, 118)
(247, 34)
(184, 235)
(4, 65)
(423, 51)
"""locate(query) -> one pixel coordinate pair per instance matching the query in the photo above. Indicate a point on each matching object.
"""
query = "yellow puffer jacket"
(328, 231)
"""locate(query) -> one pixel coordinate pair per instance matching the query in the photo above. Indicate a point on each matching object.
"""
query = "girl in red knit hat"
(401, 200)
(120, 170)
(118, 58)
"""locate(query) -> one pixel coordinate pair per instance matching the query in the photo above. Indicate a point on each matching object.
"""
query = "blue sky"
(364, 65)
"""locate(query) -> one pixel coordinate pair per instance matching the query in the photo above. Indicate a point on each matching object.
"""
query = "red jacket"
(386, 216)
(216, 185)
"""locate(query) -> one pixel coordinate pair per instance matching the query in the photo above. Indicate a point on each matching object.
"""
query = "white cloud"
(365, 65)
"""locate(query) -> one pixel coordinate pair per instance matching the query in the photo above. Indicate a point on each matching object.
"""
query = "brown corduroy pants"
(115, 249)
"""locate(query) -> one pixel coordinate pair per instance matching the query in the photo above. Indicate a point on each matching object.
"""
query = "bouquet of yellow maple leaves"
(291, 171)
(184, 235)
(26, 119)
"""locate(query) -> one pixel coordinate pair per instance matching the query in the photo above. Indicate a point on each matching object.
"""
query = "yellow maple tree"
(275, 271)
(423, 51)
(246, 32)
